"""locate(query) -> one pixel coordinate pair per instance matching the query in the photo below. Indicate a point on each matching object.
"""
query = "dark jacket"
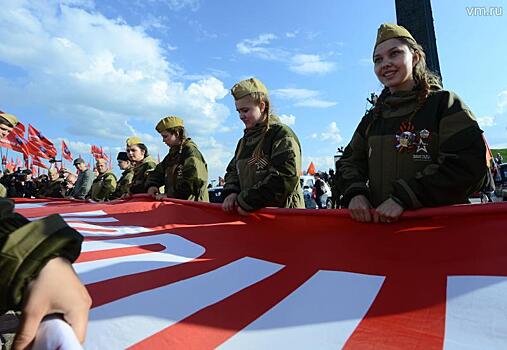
(184, 174)
(272, 178)
(436, 159)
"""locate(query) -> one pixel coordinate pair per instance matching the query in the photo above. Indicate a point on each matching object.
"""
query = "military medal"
(259, 161)
(405, 139)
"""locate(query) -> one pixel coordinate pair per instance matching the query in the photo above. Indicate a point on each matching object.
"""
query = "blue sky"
(96, 72)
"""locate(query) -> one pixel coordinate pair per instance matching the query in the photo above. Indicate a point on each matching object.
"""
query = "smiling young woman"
(419, 146)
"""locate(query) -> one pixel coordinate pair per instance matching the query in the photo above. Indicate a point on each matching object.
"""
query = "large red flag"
(66, 152)
(186, 275)
(48, 147)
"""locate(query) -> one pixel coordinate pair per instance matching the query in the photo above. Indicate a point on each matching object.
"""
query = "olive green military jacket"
(185, 174)
(3, 191)
(25, 247)
(436, 159)
(122, 187)
(53, 189)
(103, 186)
(141, 172)
(272, 179)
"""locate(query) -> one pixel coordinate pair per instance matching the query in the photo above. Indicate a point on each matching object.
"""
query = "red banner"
(185, 275)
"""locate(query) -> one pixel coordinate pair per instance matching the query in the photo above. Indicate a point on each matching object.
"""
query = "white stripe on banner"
(321, 314)
(87, 219)
(86, 213)
(99, 230)
(129, 320)
(29, 205)
(178, 250)
(476, 313)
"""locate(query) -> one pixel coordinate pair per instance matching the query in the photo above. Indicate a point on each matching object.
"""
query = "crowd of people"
(418, 146)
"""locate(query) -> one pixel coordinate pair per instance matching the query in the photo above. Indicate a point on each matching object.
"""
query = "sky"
(97, 72)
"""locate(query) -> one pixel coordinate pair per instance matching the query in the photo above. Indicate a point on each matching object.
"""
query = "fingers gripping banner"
(185, 275)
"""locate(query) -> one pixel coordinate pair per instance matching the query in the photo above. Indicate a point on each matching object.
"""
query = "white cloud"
(486, 121)
(288, 119)
(303, 97)
(99, 72)
(315, 103)
(310, 64)
(292, 34)
(257, 47)
(217, 156)
(304, 64)
(177, 5)
(321, 163)
(295, 94)
(332, 134)
(502, 102)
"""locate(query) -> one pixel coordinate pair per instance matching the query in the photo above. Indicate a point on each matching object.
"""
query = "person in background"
(264, 171)
(54, 187)
(84, 180)
(183, 172)
(69, 182)
(104, 184)
(7, 123)
(142, 162)
(419, 146)
(122, 187)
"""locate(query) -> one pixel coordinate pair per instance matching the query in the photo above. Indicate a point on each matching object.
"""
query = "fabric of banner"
(184, 275)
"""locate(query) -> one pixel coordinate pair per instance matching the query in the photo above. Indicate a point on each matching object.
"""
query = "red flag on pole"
(66, 152)
(39, 139)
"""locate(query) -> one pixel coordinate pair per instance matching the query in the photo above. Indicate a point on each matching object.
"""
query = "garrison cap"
(388, 31)
(248, 86)
(11, 119)
(169, 123)
(122, 156)
(134, 140)
(101, 161)
(78, 161)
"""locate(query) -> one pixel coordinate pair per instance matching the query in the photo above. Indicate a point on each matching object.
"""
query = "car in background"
(215, 194)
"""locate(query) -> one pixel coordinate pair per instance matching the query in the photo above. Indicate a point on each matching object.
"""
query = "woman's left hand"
(389, 211)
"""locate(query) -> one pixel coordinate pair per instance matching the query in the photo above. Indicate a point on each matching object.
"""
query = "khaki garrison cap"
(169, 123)
(134, 140)
(248, 86)
(10, 118)
(388, 31)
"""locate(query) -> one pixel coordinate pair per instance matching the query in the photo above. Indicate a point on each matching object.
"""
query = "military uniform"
(103, 186)
(272, 179)
(434, 158)
(122, 187)
(184, 173)
(54, 189)
(3, 191)
(25, 247)
(140, 174)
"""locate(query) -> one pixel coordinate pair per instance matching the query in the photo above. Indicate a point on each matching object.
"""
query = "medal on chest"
(405, 138)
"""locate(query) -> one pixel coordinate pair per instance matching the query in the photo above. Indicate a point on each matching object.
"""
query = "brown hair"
(182, 135)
